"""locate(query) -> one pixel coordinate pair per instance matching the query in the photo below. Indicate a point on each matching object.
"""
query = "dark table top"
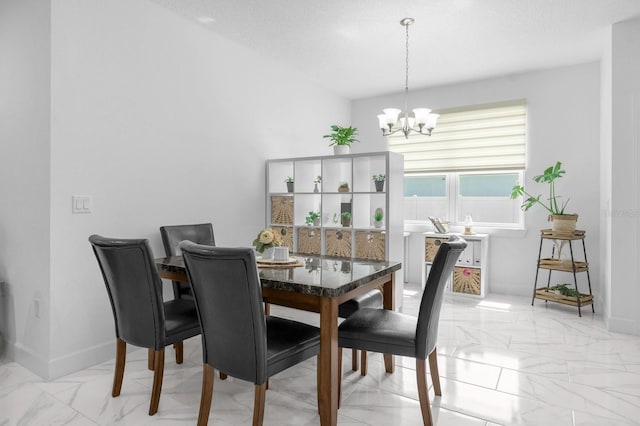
(320, 275)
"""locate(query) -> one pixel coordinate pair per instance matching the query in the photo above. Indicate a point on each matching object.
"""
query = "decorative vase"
(316, 222)
(289, 186)
(267, 254)
(377, 223)
(379, 185)
(341, 149)
(315, 188)
(563, 222)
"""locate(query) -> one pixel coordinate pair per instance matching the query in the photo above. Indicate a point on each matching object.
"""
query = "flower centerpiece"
(266, 240)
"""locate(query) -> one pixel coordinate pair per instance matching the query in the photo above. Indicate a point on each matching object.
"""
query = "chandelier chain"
(406, 76)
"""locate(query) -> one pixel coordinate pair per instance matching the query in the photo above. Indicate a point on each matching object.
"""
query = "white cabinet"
(470, 274)
(341, 190)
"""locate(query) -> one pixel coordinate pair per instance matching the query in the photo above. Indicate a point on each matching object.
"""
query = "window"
(468, 166)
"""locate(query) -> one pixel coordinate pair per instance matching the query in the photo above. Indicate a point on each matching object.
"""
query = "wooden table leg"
(388, 302)
(328, 391)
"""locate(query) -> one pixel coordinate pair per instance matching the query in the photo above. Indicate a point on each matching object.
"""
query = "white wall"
(625, 178)
(606, 169)
(161, 122)
(24, 179)
(563, 111)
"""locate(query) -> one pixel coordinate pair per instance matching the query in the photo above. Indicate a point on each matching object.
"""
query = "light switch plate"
(81, 204)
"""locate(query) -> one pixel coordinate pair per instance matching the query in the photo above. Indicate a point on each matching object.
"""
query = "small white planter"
(268, 254)
(341, 149)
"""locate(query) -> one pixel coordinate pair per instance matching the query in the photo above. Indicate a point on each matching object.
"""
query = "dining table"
(318, 284)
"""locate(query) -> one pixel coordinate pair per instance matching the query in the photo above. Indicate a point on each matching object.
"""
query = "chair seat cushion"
(181, 320)
(288, 343)
(379, 330)
(370, 299)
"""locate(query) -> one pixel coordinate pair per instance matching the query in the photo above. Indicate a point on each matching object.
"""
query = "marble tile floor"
(502, 362)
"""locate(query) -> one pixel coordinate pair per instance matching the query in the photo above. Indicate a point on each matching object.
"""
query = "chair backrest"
(433, 295)
(201, 233)
(134, 288)
(228, 297)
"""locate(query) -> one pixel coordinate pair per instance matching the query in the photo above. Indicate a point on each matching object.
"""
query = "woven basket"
(370, 245)
(563, 222)
(338, 243)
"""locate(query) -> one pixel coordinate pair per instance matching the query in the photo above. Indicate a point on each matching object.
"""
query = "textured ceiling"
(356, 47)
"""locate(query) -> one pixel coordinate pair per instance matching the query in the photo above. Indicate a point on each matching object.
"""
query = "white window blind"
(479, 138)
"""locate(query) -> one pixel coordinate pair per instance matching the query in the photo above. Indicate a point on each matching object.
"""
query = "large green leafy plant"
(550, 175)
(342, 135)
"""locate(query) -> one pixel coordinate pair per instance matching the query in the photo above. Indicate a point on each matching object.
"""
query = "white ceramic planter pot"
(341, 149)
(267, 254)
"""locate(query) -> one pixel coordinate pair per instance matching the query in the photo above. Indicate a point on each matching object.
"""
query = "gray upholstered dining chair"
(236, 335)
(141, 317)
(370, 299)
(390, 332)
(200, 233)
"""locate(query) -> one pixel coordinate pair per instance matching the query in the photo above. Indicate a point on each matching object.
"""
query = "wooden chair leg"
(206, 395)
(318, 379)
(121, 358)
(179, 348)
(158, 372)
(435, 376)
(354, 359)
(363, 363)
(258, 404)
(339, 375)
(267, 309)
(150, 358)
(423, 395)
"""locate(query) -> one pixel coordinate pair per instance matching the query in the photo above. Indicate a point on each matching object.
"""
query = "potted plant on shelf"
(561, 221)
(343, 187)
(378, 215)
(378, 180)
(289, 181)
(316, 182)
(342, 138)
(313, 218)
(346, 218)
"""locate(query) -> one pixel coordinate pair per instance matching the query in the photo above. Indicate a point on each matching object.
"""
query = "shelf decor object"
(338, 243)
(370, 245)
(285, 234)
(282, 210)
(309, 240)
(420, 117)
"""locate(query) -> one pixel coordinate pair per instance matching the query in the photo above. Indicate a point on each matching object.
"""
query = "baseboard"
(81, 359)
(28, 359)
(623, 325)
(57, 367)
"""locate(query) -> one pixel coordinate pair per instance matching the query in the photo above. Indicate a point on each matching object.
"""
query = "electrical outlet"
(36, 307)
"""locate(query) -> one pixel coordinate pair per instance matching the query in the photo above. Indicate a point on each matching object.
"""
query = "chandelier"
(421, 120)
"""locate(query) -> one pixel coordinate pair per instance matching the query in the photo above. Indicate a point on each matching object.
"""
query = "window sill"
(420, 227)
